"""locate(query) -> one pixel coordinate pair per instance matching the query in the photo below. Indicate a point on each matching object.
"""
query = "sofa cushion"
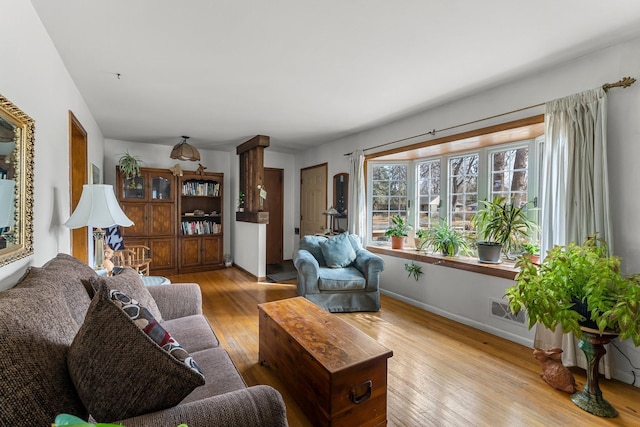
(341, 279)
(192, 332)
(67, 273)
(337, 251)
(129, 283)
(118, 370)
(312, 244)
(355, 241)
(36, 330)
(222, 375)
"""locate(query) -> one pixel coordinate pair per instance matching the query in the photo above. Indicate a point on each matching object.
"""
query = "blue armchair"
(338, 273)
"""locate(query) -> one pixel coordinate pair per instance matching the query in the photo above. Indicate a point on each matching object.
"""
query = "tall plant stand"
(590, 398)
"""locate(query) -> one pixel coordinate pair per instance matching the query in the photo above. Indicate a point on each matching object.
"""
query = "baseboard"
(256, 278)
(460, 319)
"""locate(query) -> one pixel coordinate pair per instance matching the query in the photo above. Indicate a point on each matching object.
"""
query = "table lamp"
(98, 208)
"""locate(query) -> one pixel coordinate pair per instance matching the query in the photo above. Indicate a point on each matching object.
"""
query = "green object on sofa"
(42, 315)
(331, 277)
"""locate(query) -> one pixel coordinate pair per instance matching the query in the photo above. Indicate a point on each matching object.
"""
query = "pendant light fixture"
(184, 151)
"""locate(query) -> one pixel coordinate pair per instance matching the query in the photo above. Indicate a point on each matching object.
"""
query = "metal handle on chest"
(361, 392)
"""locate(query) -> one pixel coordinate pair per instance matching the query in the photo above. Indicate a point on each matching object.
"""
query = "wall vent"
(501, 309)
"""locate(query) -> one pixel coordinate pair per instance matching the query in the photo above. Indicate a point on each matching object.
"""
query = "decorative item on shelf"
(129, 166)
(184, 151)
(501, 226)
(98, 208)
(414, 270)
(331, 213)
(200, 170)
(7, 208)
(572, 276)
(241, 201)
(263, 196)
(445, 239)
(176, 170)
(398, 231)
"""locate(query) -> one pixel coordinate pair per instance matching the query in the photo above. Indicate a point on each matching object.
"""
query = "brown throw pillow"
(130, 283)
(118, 369)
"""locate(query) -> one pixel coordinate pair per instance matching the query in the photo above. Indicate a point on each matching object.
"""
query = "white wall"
(33, 77)
(587, 72)
(250, 239)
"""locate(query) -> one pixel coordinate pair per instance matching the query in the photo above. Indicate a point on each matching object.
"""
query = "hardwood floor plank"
(442, 373)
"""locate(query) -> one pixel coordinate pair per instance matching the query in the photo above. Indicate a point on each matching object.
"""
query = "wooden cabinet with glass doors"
(200, 205)
(150, 201)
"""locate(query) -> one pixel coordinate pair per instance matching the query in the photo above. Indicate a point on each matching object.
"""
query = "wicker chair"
(137, 257)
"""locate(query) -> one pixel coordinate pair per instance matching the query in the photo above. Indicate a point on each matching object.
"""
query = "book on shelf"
(194, 228)
(201, 188)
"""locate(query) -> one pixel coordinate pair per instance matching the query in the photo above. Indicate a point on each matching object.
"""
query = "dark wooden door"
(77, 178)
(274, 204)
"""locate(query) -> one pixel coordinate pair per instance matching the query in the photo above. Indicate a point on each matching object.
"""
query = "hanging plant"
(414, 270)
(129, 165)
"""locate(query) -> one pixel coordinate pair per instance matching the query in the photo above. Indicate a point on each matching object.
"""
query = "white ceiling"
(305, 72)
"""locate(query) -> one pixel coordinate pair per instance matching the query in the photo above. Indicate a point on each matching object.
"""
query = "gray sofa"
(338, 273)
(43, 317)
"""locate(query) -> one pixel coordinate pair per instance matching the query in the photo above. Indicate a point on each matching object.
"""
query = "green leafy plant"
(241, 199)
(414, 270)
(400, 227)
(421, 238)
(500, 221)
(574, 274)
(444, 238)
(129, 165)
(531, 248)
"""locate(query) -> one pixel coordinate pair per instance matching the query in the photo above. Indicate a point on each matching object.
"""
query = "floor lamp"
(98, 208)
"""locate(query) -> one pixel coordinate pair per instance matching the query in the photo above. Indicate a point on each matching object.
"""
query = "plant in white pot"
(502, 227)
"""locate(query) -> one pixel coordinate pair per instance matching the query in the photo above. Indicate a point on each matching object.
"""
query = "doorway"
(274, 204)
(77, 178)
(313, 199)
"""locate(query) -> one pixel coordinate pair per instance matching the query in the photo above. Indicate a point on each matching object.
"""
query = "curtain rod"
(624, 83)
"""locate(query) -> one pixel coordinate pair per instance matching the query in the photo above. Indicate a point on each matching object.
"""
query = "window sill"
(505, 270)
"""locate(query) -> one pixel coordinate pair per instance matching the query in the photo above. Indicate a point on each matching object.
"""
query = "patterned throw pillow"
(130, 283)
(337, 251)
(117, 366)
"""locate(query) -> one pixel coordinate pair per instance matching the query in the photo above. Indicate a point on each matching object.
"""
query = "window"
(450, 186)
(388, 196)
(509, 177)
(429, 201)
(463, 190)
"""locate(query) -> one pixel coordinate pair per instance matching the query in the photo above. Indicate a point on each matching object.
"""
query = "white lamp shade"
(7, 197)
(98, 208)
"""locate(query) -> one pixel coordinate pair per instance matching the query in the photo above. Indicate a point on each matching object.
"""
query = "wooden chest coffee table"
(337, 373)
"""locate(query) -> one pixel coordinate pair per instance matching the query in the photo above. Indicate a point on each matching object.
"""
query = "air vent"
(501, 309)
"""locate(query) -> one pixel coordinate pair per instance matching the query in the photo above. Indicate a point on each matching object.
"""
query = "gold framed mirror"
(16, 182)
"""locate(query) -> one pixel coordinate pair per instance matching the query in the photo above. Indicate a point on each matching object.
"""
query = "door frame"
(78, 172)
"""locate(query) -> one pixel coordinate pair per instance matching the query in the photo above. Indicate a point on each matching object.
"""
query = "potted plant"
(241, 201)
(532, 251)
(398, 231)
(501, 226)
(129, 166)
(414, 270)
(447, 240)
(571, 276)
(421, 238)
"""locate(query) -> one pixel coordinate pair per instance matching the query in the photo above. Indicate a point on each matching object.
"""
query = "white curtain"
(357, 212)
(575, 190)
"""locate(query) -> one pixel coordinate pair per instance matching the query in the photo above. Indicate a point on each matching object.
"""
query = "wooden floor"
(442, 373)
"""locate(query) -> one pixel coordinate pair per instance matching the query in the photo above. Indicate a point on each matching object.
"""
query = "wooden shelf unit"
(200, 228)
(179, 218)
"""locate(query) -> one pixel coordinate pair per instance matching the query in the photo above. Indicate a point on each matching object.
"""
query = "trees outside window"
(463, 190)
(389, 196)
(429, 188)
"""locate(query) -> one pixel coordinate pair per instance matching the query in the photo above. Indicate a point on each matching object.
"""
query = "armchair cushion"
(338, 251)
(312, 245)
(341, 279)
